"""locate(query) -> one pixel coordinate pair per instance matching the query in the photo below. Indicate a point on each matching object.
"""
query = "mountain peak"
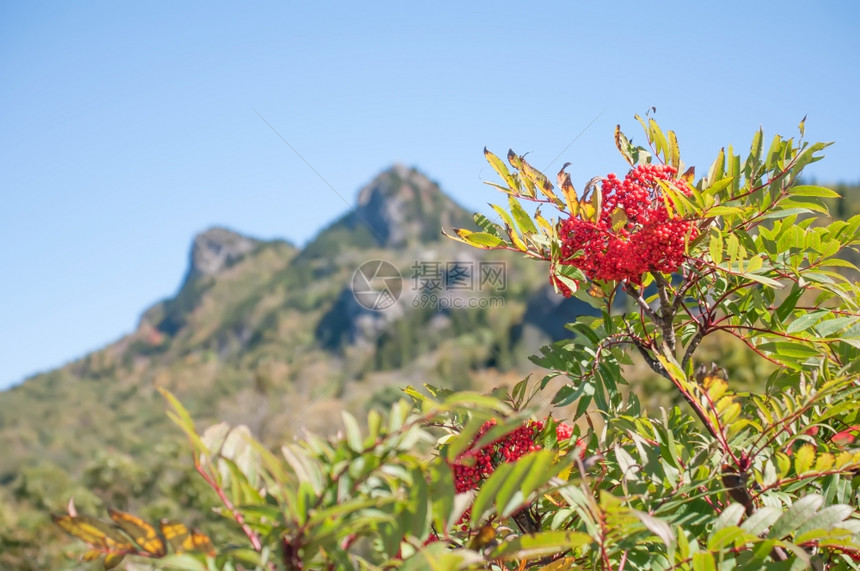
(402, 205)
(216, 249)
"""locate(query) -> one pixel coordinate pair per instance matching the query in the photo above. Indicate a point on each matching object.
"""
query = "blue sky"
(126, 128)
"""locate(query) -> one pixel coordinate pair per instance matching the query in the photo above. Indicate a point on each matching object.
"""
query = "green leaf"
(180, 416)
(531, 546)
(760, 279)
(353, 432)
(756, 149)
(483, 240)
(530, 473)
(419, 501)
(524, 221)
(805, 321)
(727, 536)
(704, 561)
(807, 205)
(183, 562)
(799, 513)
(827, 518)
(730, 517)
(761, 520)
(487, 225)
(715, 247)
(487, 495)
(789, 350)
(817, 191)
(501, 169)
(629, 467)
(93, 532)
(113, 559)
(659, 528)
(831, 326)
(725, 210)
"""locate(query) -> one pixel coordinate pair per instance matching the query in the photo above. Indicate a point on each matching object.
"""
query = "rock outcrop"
(217, 249)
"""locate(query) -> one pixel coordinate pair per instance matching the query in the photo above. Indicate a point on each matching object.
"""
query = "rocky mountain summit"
(216, 249)
(400, 207)
(403, 206)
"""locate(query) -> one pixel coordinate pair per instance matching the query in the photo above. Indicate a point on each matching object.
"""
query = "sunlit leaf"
(539, 544)
(143, 534)
(93, 532)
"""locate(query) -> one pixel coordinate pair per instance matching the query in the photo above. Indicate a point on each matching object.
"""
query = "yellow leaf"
(824, 462)
(483, 240)
(113, 559)
(91, 555)
(177, 535)
(715, 386)
(143, 534)
(93, 532)
(501, 169)
(485, 536)
(544, 224)
(560, 565)
(619, 219)
(803, 458)
(182, 540)
(540, 181)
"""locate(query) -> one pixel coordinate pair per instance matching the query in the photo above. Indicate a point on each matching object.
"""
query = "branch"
(667, 315)
(640, 301)
(237, 515)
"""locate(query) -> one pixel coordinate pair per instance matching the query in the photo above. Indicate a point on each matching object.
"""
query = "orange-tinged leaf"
(486, 536)
(689, 175)
(143, 534)
(177, 535)
(94, 532)
(567, 190)
(843, 438)
(540, 181)
(591, 205)
(182, 540)
(514, 159)
(91, 555)
(201, 542)
(113, 559)
(596, 291)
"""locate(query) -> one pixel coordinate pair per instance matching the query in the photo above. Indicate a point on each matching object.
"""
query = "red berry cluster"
(475, 465)
(649, 240)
